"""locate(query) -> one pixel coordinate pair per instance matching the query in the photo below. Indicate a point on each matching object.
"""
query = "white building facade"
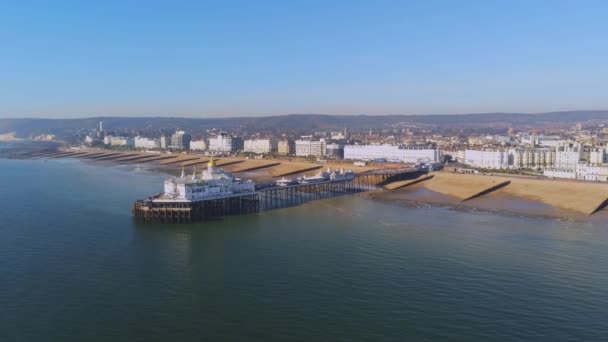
(286, 147)
(597, 156)
(198, 145)
(531, 158)
(261, 146)
(391, 153)
(145, 143)
(487, 159)
(567, 158)
(211, 183)
(225, 143)
(220, 143)
(596, 173)
(306, 148)
(560, 173)
(121, 141)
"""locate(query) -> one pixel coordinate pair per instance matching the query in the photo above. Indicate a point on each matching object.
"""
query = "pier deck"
(267, 196)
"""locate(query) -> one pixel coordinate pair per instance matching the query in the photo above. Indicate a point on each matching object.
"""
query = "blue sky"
(240, 58)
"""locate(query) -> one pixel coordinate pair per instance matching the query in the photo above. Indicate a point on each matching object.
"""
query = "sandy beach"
(545, 197)
(257, 169)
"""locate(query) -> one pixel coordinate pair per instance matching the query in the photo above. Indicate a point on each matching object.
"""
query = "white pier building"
(211, 183)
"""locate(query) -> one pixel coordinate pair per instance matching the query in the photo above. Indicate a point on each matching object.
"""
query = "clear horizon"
(76, 60)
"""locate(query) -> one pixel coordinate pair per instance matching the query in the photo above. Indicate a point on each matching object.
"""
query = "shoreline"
(262, 170)
(550, 198)
(522, 196)
(493, 207)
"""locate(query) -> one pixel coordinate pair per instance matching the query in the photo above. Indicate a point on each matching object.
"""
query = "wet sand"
(581, 197)
(539, 197)
(419, 195)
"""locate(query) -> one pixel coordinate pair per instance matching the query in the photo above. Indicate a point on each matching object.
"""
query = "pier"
(188, 212)
(267, 196)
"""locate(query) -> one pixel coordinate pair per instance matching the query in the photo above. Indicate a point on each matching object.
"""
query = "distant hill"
(298, 122)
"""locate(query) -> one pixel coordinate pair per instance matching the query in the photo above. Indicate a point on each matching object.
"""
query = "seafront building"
(393, 153)
(334, 150)
(564, 158)
(165, 142)
(145, 143)
(596, 173)
(597, 156)
(567, 157)
(180, 140)
(560, 173)
(261, 146)
(224, 143)
(198, 145)
(307, 147)
(487, 159)
(286, 147)
(565, 163)
(531, 158)
(119, 141)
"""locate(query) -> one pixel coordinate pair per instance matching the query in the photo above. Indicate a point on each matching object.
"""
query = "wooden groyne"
(70, 154)
(132, 157)
(249, 168)
(600, 207)
(295, 172)
(230, 162)
(149, 159)
(113, 156)
(196, 163)
(488, 190)
(61, 154)
(41, 154)
(104, 156)
(91, 155)
(180, 160)
(406, 183)
(118, 159)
